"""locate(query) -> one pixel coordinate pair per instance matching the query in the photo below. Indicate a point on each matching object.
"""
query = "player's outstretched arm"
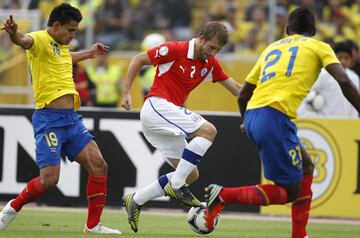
(244, 96)
(136, 63)
(231, 85)
(95, 50)
(347, 87)
(16, 36)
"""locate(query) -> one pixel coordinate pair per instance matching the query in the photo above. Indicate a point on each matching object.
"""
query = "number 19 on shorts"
(51, 139)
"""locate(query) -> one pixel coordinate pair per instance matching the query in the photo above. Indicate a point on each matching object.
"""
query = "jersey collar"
(191, 49)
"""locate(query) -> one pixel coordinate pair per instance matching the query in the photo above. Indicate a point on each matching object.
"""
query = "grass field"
(39, 223)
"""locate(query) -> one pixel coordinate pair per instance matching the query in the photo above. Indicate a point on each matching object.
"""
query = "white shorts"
(166, 126)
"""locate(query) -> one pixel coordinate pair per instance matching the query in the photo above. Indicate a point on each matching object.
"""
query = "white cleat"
(100, 229)
(7, 215)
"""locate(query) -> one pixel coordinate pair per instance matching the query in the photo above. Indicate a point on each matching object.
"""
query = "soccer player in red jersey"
(181, 66)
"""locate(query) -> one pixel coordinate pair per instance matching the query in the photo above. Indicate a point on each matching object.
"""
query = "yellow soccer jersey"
(50, 70)
(285, 72)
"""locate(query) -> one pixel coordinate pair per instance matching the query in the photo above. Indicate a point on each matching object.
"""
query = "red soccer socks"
(32, 191)
(96, 194)
(262, 194)
(301, 207)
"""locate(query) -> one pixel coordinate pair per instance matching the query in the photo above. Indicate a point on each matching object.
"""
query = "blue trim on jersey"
(163, 180)
(168, 120)
(192, 157)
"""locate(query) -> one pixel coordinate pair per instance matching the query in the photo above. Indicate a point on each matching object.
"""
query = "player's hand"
(126, 101)
(10, 25)
(242, 128)
(99, 49)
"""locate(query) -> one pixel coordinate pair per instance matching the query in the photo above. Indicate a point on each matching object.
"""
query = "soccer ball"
(151, 41)
(197, 222)
(315, 101)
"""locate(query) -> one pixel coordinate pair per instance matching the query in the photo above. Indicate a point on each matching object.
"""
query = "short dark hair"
(343, 46)
(353, 45)
(215, 29)
(301, 21)
(64, 13)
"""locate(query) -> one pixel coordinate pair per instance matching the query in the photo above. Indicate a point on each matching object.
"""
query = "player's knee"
(207, 130)
(308, 165)
(292, 196)
(48, 182)
(99, 166)
(293, 191)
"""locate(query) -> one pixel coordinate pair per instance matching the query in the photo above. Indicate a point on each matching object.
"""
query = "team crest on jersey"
(195, 117)
(56, 49)
(164, 50)
(203, 71)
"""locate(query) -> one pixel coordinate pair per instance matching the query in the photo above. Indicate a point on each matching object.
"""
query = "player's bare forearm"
(135, 65)
(16, 36)
(242, 107)
(347, 87)
(351, 93)
(95, 50)
(231, 85)
(244, 97)
(21, 39)
(81, 55)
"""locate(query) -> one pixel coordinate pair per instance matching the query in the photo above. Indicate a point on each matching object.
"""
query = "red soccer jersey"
(178, 73)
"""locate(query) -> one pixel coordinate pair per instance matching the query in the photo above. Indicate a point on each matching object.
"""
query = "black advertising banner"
(133, 162)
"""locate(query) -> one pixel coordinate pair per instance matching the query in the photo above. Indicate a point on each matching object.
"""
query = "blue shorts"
(58, 132)
(275, 136)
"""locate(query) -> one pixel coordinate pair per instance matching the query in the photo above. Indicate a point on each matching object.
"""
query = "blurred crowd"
(124, 23)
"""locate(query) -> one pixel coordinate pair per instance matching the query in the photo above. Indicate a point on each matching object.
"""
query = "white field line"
(226, 215)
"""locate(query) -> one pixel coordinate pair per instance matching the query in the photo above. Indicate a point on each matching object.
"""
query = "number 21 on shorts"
(296, 156)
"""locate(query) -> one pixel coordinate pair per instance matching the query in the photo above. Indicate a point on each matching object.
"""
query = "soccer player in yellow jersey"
(57, 127)
(273, 91)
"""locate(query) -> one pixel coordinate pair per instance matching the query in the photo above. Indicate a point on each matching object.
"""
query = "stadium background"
(334, 143)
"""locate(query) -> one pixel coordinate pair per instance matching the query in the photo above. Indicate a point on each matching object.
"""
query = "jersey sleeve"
(218, 73)
(326, 54)
(34, 49)
(163, 53)
(253, 76)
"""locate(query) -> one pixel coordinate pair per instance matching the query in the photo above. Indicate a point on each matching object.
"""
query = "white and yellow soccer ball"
(197, 222)
(152, 40)
(315, 101)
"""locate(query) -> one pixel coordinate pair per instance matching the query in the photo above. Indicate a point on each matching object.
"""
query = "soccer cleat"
(183, 194)
(100, 229)
(133, 211)
(7, 214)
(213, 204)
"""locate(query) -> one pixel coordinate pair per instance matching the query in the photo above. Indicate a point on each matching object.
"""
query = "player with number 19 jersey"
(285, 72)
(178, 73)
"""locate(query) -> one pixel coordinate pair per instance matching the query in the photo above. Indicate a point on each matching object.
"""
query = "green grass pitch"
(41, 222)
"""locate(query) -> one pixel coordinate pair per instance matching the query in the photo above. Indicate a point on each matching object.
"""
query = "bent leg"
(193, 153)
(49, 177)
